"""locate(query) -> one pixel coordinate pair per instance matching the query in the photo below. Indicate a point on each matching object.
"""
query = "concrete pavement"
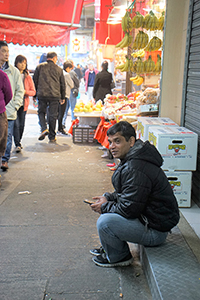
(46, 234)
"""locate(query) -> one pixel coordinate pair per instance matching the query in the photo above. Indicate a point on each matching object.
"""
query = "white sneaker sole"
(112, 265)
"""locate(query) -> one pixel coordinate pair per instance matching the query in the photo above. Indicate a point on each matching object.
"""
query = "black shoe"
(62, 131)
(102, 261)
(97, 251)
(18, 149)
(43, 134)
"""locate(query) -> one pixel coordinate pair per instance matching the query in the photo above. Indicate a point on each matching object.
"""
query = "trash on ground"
(24, 192)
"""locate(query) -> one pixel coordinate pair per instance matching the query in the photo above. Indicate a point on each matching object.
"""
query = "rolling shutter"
(191, 91)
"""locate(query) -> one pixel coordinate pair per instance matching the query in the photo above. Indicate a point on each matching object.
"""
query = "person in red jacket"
(29, 87)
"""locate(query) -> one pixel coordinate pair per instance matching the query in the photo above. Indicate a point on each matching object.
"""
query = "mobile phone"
(88, 201)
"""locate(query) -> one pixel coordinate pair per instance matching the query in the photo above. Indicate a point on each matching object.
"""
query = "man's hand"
(62, 101)
(97, 205)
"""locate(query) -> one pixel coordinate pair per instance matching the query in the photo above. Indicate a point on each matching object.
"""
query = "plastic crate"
(83, 134)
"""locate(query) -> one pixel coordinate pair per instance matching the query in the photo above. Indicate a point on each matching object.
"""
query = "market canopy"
(39, 22)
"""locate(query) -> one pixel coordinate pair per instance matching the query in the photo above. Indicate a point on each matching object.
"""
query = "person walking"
(50, 90)
(29, 90)
(90, 75)
(16, 101)
(142, 209)
(103, 83)
(73, 94)
(5, 97)
(78, 72)
(67, 67)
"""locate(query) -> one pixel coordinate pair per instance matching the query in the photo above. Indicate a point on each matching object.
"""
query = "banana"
(140, 66)
(134, 78)
(138, 20)
(147, 20)
(137, 80)
(161, 21)
(124, 42)
(126, 24)
(158, 66)
(139, 53)
(149, 65)
(154, 21)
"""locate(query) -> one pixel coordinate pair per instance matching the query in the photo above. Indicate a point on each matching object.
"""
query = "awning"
(39, 22)
(108, 34)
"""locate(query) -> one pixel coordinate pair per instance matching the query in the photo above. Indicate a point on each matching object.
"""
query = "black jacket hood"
(146, 152)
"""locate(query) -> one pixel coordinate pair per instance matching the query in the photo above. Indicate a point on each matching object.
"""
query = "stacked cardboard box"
(178, 147)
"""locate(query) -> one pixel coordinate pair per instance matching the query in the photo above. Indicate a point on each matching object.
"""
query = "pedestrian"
(73, 94)
(142, 209)
(67, 67)
(78, 72)
(29, 90)
(50, 90)
(16, 101)
(103, 83)
(90, 75)
(5, 97)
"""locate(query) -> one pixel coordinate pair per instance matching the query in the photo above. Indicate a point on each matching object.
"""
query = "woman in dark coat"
(102, 83)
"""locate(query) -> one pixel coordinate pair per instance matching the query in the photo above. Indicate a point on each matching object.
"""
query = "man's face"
(4, 54)
(118, 145)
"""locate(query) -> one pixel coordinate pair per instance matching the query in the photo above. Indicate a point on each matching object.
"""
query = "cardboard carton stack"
(178, 147)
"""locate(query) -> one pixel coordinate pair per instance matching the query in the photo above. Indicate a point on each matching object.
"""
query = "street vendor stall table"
(90, 118)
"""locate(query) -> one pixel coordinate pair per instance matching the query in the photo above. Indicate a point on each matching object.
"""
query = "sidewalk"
(46, 235)
(47, 231)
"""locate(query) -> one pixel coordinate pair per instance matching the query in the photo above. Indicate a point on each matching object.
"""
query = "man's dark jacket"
(49, 81)
(142, 189)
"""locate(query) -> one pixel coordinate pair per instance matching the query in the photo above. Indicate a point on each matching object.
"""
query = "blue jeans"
(115, 231)
(6, 156)
(70, 104)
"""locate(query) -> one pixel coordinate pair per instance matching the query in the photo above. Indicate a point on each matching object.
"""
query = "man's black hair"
(124, 128)
(51, 54)
(3, 44)
(67, 64)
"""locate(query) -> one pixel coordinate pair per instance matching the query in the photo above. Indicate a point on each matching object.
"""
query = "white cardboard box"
(177, 145)
(144, 123)
(181, 183)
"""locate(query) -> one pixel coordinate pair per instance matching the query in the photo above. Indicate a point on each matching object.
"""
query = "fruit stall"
(139, 57)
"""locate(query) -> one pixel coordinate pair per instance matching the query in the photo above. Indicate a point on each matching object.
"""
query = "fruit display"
(149, 21)
(141, 40)
(149, 96)
(138, 80)
(88, 107)
(154, 44)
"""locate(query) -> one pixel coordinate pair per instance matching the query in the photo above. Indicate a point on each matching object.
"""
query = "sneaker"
(18, 149)
(102, 261)
(52, 141)
(62, 131)
(43, 134)
(97, 251)
(4, 165)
